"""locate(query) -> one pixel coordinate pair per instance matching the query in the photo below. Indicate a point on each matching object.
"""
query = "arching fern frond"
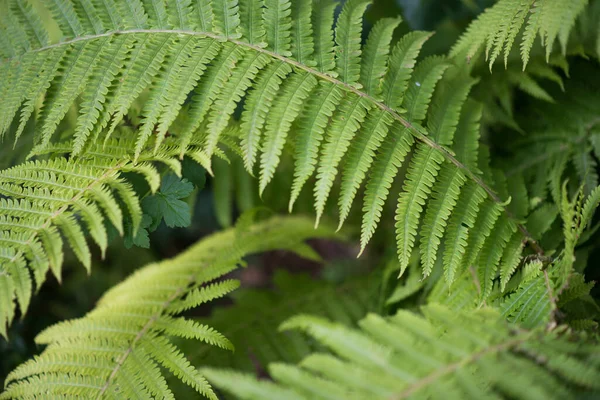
(45, 203)
(443, 355)
(343, 108)
(119, 349)
(499, 26)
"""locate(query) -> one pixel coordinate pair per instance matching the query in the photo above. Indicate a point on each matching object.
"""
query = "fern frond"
(346, 303)
(498, 27)
(295, 82)
(119, 348)
(562, 145)
(279, 122)
(45, 202)
(442, 355)
(540, 292)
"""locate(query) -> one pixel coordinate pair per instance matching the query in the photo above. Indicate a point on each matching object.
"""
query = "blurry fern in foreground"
(443, 355)
(121, 348)
(252, 321)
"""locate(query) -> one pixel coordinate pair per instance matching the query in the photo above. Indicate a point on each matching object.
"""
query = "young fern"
(346, 109)
(122, 348)
(443, 355)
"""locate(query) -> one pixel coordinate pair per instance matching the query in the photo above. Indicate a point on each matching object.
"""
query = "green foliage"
(49, 201)
(566, 139)
(117, 110)
(534, 295)
(121, 348)
(346, 302)
(166, 203)
(498, 27)
(443, 355)
(345, 109)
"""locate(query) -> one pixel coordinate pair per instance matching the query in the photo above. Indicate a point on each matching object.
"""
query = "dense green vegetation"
(163, 145)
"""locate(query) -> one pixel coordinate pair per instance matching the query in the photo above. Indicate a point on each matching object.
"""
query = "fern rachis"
(225, 64)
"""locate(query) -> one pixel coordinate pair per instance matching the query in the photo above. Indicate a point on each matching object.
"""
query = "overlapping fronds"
(345, 109)
(122, 348)
(565, 143)
(444, 355)
(251, 322)
(46, 203)
(498, 91)
(537, 294)
(498, 27)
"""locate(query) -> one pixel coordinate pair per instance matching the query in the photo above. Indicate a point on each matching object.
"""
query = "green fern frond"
(498, 27)
(561, 145)
(121, 347)
(535, 295)
(47, 202)
(442, 355)
(307, 81)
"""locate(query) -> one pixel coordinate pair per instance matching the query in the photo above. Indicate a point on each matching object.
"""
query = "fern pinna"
(444, 355)
(118, 349)
(498, 27)
(59, 197)
(303, 79)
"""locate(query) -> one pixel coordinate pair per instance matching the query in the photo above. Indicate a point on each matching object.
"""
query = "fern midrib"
(324, 76)
(450, 368)
(73, 199)
(176, 294)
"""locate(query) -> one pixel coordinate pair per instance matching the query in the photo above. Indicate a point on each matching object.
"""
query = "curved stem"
(417, 133)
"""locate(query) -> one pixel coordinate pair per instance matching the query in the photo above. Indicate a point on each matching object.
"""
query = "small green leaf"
(173, 186)
(141, 238)
(167, 204)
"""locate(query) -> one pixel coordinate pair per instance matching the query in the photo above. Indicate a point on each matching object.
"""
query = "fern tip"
(362, 249)
(317, 220)
(340, 224)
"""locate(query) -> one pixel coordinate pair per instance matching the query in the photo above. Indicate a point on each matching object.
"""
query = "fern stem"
(418, 134)
(552, 299)
(141, 334)
(448, 369)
